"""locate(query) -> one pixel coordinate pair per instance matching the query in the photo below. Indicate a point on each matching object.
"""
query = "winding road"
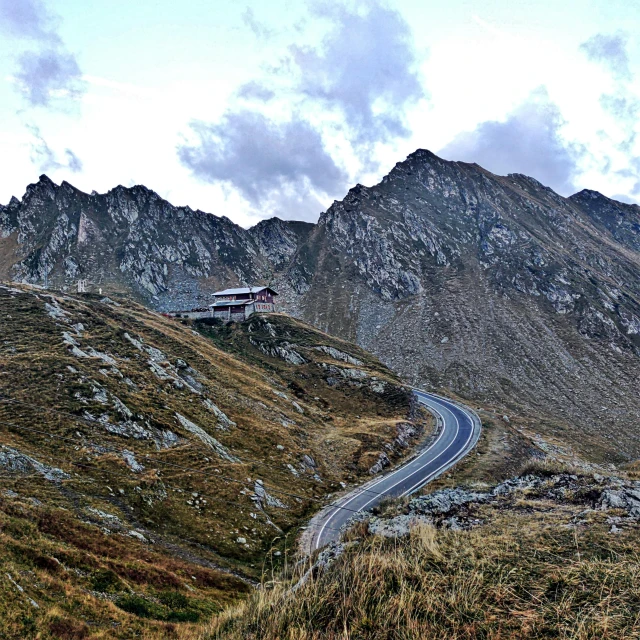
(459, 430)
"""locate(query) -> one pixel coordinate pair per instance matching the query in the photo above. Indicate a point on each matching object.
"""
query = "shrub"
(174, 608)
(173, 600)
(139, 606)
(106, 581)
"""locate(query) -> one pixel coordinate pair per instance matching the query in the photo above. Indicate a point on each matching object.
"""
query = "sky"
(251, 109)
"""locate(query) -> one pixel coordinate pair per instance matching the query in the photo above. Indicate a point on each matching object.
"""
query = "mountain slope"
(492, 286)
(495, 287)
(137, 452)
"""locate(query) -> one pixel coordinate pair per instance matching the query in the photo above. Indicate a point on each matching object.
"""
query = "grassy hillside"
(546, 555)
(147, 464)
(360, 399)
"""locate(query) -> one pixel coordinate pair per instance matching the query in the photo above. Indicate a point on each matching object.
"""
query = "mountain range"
(495, 288)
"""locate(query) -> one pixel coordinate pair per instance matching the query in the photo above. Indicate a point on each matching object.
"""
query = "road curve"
(458, 434)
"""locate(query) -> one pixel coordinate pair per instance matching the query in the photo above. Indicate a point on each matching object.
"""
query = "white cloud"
(140, 95)
(354, 87)
(529, 140)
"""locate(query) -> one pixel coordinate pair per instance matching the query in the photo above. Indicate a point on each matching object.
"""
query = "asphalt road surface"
(459, 432)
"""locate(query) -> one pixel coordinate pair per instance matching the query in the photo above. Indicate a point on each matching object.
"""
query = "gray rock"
(397, 527)
(207, 439)
(17, 462)
(262, 497)
(283, 351)
(224, 422)
(132, 463)
(383, 461)
(336, 354)
(444, 501)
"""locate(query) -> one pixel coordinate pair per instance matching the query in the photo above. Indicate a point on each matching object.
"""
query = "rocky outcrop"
(457, 508)
(17, 462)
(336, 354)
(206, 439)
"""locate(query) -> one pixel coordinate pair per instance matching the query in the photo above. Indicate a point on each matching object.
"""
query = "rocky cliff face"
(492, 286)
(133, 240)
(621, 220)
(495, 287)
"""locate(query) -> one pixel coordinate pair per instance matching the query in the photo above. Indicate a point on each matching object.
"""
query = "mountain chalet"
(234, 305)
(239, 304)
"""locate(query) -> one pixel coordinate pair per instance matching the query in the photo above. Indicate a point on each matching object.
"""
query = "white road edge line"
(422, 467)
(364, 490)
(450, 462)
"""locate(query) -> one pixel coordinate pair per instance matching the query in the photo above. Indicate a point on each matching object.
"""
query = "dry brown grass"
(633, 470)
(548, 467)
(523, 577)
(77, 576)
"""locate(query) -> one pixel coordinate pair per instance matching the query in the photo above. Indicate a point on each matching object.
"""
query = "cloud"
(261, 159)
(354, 88)
(73, 162)
(45, 159)
(49, 73)
(621, 197)
(611, 51)
(260, 30)
(365, 67)
(27, 19)
(528, 141)
(634, 169)
(623, 103)
(254, 90)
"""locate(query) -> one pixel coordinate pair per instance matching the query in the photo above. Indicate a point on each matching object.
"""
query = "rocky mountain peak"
(495, 286)
(424, 156)
(588, 194)
(590, 197)
(44, 179)
(420, 161)
(14, 202)
(68, 186)
(132, 239)
(619, 219)
(44, 188)
(354, 196)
